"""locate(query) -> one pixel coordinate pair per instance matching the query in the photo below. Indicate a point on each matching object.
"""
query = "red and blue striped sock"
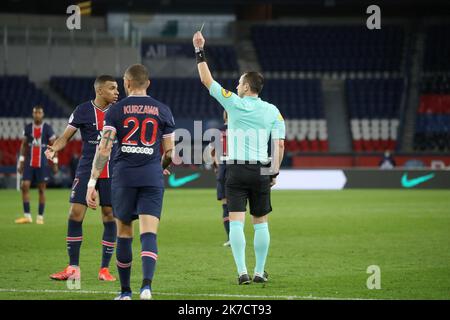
(149, 255)
(108, 242)
(124, 255)
(74, 239)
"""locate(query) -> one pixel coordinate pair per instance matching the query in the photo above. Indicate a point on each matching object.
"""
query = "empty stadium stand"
(221, 58)
(374, 98)
(437, 48)
(433, 115)
(301, 104)
(374, 106)
(74, 89)
(186, 97)
(329, 48)
(432, 132)
(18, 96)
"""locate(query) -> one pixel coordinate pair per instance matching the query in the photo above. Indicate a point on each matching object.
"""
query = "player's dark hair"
(102, 79)
(138, 74)
(255, 80)
(38, 107)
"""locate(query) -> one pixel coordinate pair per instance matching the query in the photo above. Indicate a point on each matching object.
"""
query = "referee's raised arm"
(203, 69)
(227, 99)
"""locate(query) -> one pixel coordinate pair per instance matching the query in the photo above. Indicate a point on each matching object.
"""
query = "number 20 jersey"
(140, 123)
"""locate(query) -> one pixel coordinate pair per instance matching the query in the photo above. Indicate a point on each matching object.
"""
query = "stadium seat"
(18, 96)
(328, 48)
(374, 106)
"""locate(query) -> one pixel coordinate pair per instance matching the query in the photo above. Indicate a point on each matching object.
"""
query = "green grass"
(321, 245)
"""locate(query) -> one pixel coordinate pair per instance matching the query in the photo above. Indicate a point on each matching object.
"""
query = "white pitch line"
(293, 297)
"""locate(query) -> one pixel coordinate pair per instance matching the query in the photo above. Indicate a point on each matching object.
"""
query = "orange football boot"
(69, 272)
(104, 275)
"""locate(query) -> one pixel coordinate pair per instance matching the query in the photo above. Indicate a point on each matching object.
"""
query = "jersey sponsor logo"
(178, 182)
(226, 93)
(141, 150)
(410, 183)
(37, 142)
(95, 141)
(99, 137)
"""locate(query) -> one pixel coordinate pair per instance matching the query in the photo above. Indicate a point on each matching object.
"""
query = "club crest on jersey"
(226, 93)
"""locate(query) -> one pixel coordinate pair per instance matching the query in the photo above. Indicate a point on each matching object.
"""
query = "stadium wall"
(42, 62)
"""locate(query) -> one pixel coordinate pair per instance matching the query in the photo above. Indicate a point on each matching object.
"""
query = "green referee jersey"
(251, 121)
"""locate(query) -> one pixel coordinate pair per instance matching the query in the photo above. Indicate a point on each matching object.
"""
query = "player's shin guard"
(74, 239)
(149, 255)
(261, 243)
(124, 254)
(226, 220)
(41, 209)
(108, 242)
(237, 242)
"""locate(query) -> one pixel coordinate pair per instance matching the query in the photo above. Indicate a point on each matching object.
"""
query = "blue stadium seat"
(328, 48)
(18, 96)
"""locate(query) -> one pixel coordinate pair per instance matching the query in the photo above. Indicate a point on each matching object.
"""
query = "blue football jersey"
(140, 123)
(38, 137)
(90, 120)
(223, 139)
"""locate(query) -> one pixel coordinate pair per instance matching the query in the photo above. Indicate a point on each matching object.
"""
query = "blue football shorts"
(130, 202)
(79, 189)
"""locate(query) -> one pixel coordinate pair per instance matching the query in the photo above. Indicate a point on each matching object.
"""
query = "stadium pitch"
(322, 243)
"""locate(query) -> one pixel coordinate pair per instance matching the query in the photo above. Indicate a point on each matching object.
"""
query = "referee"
(251, 122)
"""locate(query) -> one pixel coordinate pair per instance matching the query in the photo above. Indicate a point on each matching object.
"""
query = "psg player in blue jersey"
(89, 117)
(142, 125)
(32, 163)
(218, 154)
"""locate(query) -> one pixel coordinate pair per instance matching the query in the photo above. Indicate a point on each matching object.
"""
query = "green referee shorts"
(245, 182)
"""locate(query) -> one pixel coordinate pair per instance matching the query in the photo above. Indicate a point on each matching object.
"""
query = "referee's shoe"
(257, 278)
(244, 279)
